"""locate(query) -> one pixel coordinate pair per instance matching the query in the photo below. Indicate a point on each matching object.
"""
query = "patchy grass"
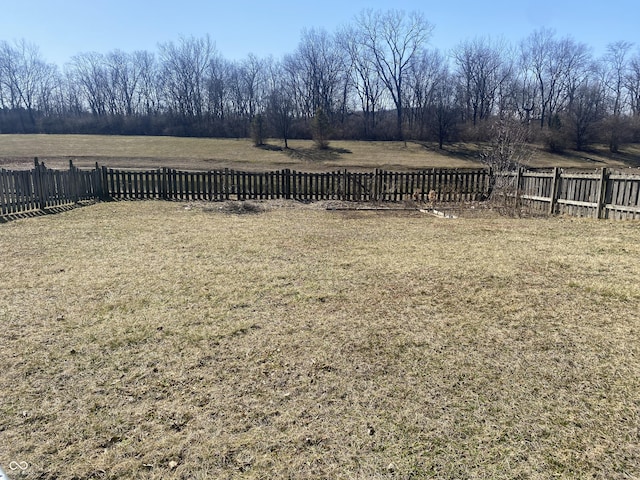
(150, 340)
(18, 151)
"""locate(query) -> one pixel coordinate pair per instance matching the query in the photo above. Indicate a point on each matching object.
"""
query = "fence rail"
(603, 193)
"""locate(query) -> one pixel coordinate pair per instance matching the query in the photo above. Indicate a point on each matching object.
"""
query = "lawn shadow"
(317, 154)
(270, 148)
(461, 151)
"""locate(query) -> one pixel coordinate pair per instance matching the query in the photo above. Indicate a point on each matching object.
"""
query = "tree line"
(377, 77)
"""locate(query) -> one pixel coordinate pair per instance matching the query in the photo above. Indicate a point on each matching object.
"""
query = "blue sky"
(63, 28)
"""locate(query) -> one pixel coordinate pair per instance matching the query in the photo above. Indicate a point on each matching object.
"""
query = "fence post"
(373, 194)
(488, 183)
(554, 190)
(602, 192)
(518, 187)
(38, 188)
(106, 187)
(225, 183)
(286, 183)
(73, 182)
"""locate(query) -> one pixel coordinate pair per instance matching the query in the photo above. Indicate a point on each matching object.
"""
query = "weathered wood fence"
(380, 185)
(43, 188)
(602, 193)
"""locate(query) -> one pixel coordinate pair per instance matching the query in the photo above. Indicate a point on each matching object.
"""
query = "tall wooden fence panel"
(43, 188)
(622, 195)
(603, 193)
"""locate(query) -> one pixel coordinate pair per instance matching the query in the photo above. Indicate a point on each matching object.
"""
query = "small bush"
(321, 129)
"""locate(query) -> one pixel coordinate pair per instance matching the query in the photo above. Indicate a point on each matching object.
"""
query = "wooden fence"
(43, 188)
(383, 186)
(602, 193)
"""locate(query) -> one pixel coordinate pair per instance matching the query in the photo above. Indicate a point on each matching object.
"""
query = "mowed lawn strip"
(150, 340)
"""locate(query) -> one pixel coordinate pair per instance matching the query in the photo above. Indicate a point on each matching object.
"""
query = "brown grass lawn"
(149, 340)
(18, 151)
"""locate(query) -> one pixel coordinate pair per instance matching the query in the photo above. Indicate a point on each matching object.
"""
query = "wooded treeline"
(375, 78)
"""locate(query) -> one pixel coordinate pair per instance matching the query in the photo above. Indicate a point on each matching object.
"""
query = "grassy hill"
(18, 151)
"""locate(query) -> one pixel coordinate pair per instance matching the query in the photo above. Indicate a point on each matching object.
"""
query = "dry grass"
(149, 340)
(17, 151)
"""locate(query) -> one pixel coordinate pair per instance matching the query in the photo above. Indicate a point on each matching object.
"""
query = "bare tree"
(508, 148)
(185, 67)
(253, 83)
(124, 79)
(26, 80)
(558, 66)
(316, 71)
(585, 111)
(88, 71)
(423, 79)
(616, 70)
(632, 84)
(362, 77)
(148, 92)
(445, 110)
(394, 40)
(483, 68)
(280, 112)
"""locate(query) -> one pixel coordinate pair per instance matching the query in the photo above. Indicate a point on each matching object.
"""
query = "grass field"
(18, 151)
(149, 340)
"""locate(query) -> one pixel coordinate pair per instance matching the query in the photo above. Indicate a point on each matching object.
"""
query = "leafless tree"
(585, 111)
(632, 84)
(26, 80)
(394, 39)
(253, 83)
(445, 115)
(363, 78)
(88, 71)
(616, 71)
(124, 78)
(423, 81)
(558, 66)
(316, 71)
(148, 90)
(218, 90)
(184, 70)
(483, 68)
(280, 111)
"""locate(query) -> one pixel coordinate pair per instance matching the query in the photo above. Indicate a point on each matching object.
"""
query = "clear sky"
(63, 28)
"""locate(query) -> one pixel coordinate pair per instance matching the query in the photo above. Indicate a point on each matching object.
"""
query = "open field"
(150, 340)
(17, 151)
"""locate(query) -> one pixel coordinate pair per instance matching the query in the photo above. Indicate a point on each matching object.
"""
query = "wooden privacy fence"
(448, 185)
(603, 193)
(43, 188)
